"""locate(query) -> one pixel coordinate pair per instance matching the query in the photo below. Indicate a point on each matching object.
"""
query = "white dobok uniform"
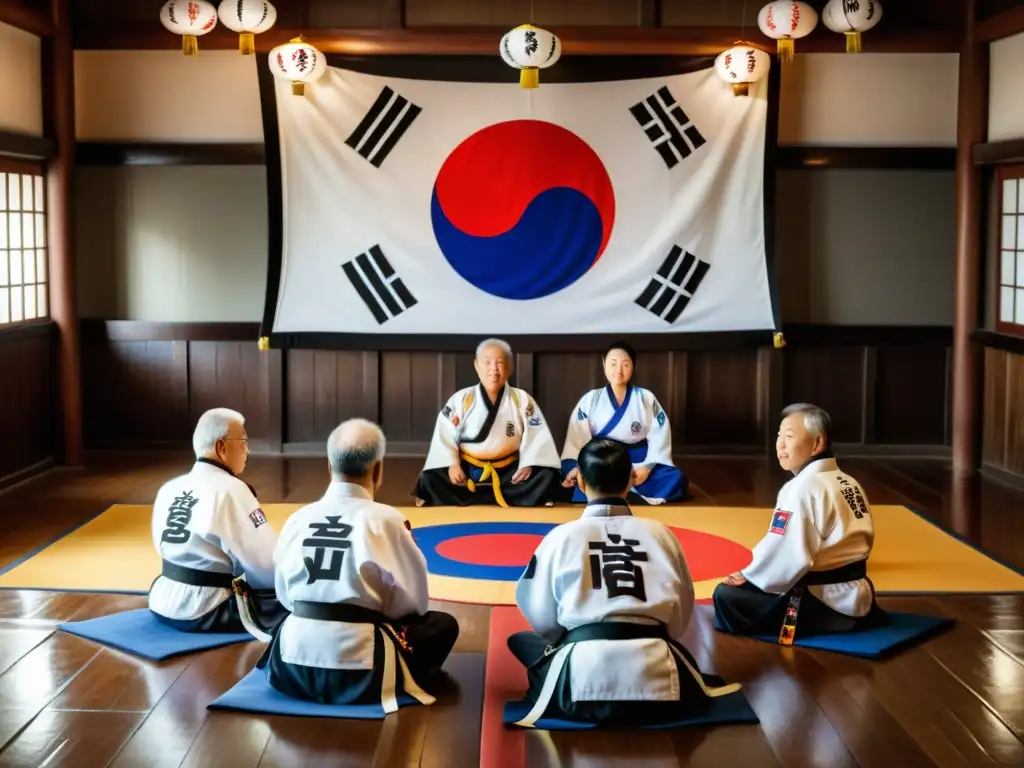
(516, 426)
(640, 418)
(491, 442)
(822, 521)
(611, 568)
(209, 521)
(642, 425)
(348, 549)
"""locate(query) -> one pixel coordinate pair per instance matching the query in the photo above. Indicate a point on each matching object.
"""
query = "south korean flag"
(424, 198)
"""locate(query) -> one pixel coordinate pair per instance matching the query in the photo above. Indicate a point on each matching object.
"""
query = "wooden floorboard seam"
(49, 701)
(980, 699)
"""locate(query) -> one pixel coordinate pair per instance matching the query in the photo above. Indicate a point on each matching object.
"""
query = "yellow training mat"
(113, 552)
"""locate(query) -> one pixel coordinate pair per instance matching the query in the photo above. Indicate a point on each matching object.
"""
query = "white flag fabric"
(412, 206)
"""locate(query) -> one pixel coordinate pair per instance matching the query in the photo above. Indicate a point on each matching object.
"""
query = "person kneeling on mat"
(355, 582)
(213, 538)
(609, 597)
(811, 566)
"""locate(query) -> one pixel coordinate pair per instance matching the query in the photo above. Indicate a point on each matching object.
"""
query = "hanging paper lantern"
(786, 21)
(530, 49)
(190, 19)
(299, 62)
(851, 17)
(742, 65)
(248, 18)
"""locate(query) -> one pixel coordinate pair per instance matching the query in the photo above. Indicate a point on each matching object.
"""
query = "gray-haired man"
(356, 585)
(812, 563)
(490, 443)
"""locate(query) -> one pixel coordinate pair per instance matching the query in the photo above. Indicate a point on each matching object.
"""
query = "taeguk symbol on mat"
(500, 551)
(522, 209)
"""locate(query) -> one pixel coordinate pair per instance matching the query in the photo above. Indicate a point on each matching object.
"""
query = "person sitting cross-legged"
(633, 416)
(213, 539)
(490, 443)
(609, 597)
(809, 572)
(355, 582)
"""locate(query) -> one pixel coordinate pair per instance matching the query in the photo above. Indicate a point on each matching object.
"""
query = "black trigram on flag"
(667, 126)
(667, 295)
(383, 292)
(388, 119)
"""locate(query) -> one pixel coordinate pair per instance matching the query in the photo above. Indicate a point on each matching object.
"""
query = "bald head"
(354, 448)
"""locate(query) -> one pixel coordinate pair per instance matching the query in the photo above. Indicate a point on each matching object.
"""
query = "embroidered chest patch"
(779, 522)
(634, 428)
(257, 517)
(510, 429)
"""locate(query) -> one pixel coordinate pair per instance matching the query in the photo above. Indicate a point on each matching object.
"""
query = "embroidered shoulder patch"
(535, 421)
(661, 418)
(779, 522)
(580, 414)
(530, 408)
(257, 517)
(446, 411)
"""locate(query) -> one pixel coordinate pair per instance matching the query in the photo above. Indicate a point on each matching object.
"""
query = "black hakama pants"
(263, 606)
(436, 488)
(529, 649)
(747, 610)
(430, 639)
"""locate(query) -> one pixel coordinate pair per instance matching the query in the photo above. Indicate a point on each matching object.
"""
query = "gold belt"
(490, 472)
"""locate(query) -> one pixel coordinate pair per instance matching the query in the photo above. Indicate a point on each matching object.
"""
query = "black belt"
(852, 572)
(346, 613)
(196, 578)
(614, 630)
(606, 630)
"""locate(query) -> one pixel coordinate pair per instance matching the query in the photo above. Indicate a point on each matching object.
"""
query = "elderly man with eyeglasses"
(214, 540)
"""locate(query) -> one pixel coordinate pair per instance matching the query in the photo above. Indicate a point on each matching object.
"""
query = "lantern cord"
(743, 21)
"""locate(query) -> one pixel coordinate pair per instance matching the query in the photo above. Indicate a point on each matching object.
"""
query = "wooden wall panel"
(147, 382)
(414, 386)
(910, 396)
(722, 398)
(832, 377)
(232, 374)
(28, 417)
(326, 386)
(561, 381)
(1003, 419)
(993, 449)
(135, 391)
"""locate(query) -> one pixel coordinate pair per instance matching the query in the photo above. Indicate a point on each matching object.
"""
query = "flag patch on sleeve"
(779, 522)
(257, 517)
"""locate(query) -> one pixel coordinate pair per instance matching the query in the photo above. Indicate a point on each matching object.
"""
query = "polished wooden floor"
(958, 701)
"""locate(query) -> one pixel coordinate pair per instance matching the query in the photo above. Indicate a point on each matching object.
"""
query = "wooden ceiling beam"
(24, 17)
(482, 40)
(1009, 22)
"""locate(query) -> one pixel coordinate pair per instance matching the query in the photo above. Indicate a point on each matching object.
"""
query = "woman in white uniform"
(632, 416)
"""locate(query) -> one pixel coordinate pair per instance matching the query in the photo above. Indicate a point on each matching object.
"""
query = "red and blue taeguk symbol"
(522, 209)
(500, 551)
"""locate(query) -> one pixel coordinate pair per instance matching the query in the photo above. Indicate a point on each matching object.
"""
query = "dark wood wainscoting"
(145, 383)
(1003, 421)
(28, 418)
